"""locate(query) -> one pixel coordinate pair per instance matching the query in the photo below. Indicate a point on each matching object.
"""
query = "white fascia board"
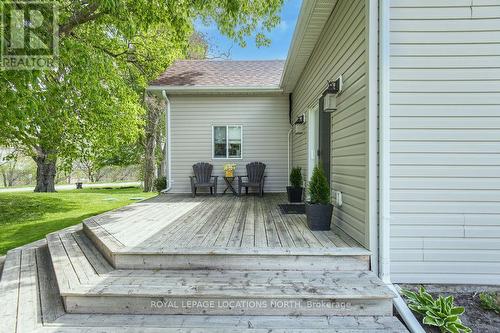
(215, 89)
(306, 10)
(314, 14)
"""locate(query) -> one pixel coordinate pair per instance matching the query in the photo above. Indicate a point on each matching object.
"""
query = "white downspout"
(168, 150)
(288, 155)
(384, 142)
(385, 165)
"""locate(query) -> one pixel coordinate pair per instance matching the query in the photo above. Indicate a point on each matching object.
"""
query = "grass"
(26, 217)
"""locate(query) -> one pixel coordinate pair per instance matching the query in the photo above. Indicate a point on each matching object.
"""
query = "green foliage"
(91, 102)
(26, 216)
(296, 177)
(440, 312)
(319, 189)
(160, 184)
(489, 301)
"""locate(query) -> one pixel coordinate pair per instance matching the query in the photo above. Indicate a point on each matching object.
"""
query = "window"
(227, 141)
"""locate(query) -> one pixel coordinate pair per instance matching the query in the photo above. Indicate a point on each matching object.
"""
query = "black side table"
(229, 185)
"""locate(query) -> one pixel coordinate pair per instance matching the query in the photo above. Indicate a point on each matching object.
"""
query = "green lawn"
(26, 217)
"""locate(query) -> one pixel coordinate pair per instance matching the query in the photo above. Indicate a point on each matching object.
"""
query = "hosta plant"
(440, 312)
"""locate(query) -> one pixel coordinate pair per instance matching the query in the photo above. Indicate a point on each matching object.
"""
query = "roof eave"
(313, 11)
(214, 89)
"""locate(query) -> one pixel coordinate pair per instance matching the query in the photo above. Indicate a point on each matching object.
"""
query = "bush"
(489, 301)
(440, 312)
(319, 189)
(160, 184)
(296, 177)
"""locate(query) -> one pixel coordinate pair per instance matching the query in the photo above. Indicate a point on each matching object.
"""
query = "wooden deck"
(179, 221)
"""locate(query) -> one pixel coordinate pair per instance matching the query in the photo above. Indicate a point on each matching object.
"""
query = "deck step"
(228, 258)
(30, 302)
(88, 284)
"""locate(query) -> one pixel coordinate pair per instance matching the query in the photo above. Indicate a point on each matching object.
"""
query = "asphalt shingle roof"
(222, 73)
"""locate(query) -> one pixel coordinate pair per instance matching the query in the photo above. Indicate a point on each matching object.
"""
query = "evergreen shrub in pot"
(319, 209)
(296, 190)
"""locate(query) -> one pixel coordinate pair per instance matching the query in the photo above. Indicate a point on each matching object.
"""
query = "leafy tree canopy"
(109, 51)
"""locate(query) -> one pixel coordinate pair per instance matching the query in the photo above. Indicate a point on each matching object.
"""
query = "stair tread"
(40, 309)
(92, 275)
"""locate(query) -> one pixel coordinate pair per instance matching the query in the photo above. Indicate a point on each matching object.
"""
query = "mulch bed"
(475, 317)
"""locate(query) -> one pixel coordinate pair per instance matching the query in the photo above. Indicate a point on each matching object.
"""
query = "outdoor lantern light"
(300, 120)
(330, 95)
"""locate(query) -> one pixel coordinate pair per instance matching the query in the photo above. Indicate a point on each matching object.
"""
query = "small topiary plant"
(296, 177)
(440, 312)
(160, 184)
(319, 189)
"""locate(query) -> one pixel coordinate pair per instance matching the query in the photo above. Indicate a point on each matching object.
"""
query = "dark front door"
(324, 140)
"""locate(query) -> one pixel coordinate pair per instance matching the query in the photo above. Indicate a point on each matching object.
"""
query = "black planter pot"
(319, 216)
(294, 193)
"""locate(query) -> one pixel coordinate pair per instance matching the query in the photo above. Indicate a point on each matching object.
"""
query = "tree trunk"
(153, 114)
(4, 176)
(149, 163)
(45, 172)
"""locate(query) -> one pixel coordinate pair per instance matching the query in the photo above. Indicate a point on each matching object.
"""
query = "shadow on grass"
(18, 207)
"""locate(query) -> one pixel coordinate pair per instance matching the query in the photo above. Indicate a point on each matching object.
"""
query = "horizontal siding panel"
(445, 141)
(446, 184)
(444, 231)
(461, 278)
(443, 207)
(445, 26)
(409, 219)
(462, 243)
(442, 4)
(448, 86)
(483, 231)
(447, 123)
(444, 37)
(450, 61)
(407, 243)
(444, 195)
(461, 256)
(445, 159)
(407, 255)
(447, 267)
(449, 111)
(444, 134)
(445, 147)
(447, 74)
(446, 171)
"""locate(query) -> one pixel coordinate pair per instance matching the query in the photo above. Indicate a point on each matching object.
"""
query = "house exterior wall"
(341, 50)
(445, 141)
(265, 128)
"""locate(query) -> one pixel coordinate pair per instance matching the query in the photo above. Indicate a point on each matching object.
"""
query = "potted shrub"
(295, 190)
(319, 209)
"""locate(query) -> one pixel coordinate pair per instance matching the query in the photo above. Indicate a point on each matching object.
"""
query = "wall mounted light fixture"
(330, 95)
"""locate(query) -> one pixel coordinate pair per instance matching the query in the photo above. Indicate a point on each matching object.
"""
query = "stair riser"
(217, 306)
(242, 262)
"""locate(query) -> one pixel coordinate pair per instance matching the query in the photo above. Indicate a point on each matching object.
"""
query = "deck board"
(179, 221)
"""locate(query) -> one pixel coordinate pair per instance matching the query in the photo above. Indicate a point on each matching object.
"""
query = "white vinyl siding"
(341, 49)
(264, 122)
(445, 141)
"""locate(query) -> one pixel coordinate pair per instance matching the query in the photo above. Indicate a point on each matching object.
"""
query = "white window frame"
(227, 143)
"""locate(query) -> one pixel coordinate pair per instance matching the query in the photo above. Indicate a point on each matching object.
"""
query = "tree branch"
(88, 14)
